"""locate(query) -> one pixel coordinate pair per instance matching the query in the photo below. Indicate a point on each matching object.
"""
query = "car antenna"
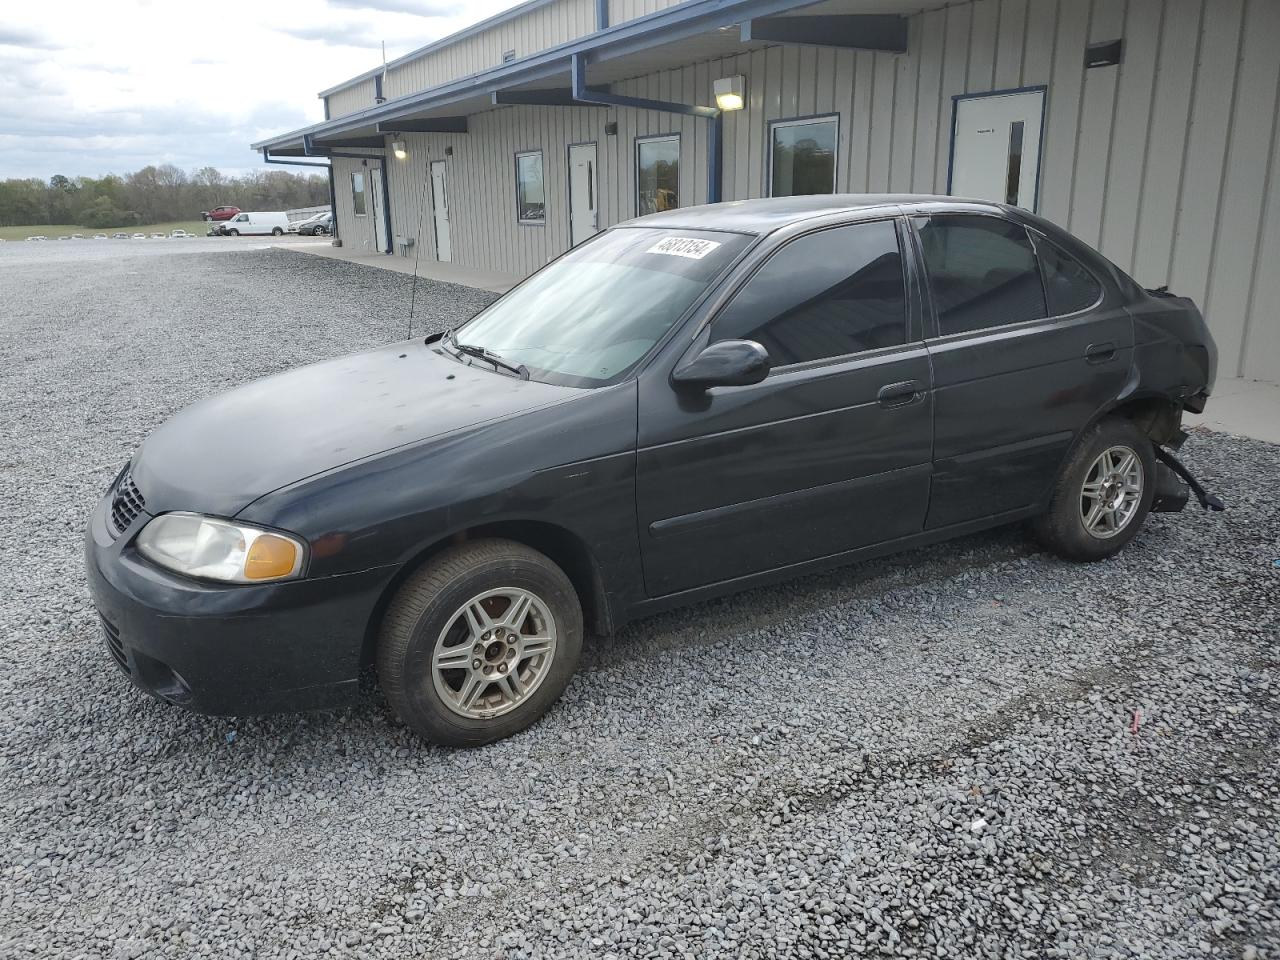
(417, 249)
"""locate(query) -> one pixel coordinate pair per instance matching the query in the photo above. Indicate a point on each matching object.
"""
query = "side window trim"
(1037, 238)
(935, 333)
(728, 299)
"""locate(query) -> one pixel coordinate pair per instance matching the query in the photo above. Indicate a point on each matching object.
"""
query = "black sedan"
(688, 404)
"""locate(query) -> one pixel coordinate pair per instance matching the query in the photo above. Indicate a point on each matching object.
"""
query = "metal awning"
(687, 33)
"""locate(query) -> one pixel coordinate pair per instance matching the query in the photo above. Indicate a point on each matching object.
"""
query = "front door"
(830, 452)
(379, 202)
(996, 147)
(583, 221)
(440, 210)
(1025, 352)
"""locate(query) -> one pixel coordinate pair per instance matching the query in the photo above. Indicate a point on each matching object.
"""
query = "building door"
(995, 147)
(379, 204)
(583, 189)
(440, 210)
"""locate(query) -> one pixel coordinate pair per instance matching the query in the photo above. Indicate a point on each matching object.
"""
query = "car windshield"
(589, 318)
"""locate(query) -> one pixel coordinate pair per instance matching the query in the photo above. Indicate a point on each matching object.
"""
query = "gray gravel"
(972, 750)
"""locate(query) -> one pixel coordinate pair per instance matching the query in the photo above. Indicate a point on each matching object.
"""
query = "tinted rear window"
(982, 272)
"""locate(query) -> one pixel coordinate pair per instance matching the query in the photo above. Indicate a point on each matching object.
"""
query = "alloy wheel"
(1112, 492)
(493, 653)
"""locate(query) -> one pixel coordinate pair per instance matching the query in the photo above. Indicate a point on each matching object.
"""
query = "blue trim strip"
(494, 21)
(585, 94)
(267, 158)
(715, 144)
(666, 26)
(602, 14)
(1040, 88)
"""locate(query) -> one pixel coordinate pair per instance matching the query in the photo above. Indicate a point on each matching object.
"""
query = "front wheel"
(479, 643)
(1102, 494)
(233, 233)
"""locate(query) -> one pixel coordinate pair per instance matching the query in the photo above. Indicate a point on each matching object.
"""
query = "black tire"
(233, 233)
(1061, 529)
(428, 604)
(277, 232)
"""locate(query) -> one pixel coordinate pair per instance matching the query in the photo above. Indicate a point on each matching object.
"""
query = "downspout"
(585, 94)
(602, 14)
(333, 201)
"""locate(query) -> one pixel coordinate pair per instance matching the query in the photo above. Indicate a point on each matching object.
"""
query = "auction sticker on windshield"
(689, 247)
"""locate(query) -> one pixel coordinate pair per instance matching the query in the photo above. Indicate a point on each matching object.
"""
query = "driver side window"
(827, 294)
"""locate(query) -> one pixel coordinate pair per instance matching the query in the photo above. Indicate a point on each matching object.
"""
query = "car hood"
(219, 455)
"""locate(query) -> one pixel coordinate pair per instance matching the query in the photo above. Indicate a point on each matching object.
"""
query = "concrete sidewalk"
(489, 280)
(1247, 408)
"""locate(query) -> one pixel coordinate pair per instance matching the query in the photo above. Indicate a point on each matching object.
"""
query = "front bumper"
(229, 649)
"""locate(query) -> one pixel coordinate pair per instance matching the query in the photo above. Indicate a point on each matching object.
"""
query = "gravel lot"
(972, 750)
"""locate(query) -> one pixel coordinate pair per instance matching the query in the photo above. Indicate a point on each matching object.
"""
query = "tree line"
(154, 194)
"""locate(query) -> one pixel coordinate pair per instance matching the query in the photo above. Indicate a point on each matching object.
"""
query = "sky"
(89, 87)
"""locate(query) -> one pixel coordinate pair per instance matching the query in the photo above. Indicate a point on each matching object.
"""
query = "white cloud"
(88, 88)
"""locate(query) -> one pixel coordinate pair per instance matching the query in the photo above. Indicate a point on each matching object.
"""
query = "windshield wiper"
(480, 353)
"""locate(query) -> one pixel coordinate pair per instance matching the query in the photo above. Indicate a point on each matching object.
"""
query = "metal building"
(1146, 127)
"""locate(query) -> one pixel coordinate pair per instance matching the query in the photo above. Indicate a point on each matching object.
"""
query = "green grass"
(55, 230)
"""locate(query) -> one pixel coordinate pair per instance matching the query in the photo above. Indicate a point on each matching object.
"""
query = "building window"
(802, 156)
(657, 174)
(530, 198)
(357, 194)
(508, 56)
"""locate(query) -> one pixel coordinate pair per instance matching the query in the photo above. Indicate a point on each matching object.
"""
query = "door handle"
(1100, 352)
(898, 394)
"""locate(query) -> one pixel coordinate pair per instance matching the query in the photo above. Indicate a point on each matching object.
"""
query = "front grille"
(126, 504)
(114, 646)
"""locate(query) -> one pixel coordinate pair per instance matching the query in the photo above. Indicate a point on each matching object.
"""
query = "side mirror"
(729, 363)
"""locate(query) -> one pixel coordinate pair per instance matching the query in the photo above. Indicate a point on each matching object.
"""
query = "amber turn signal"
(270, 557)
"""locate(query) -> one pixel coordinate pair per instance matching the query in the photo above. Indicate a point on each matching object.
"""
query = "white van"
(256, 223)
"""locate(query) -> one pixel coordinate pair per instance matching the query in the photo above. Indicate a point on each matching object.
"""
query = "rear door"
(830, 452)
(1027, 347)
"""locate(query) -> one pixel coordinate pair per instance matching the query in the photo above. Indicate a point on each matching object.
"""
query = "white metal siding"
(529, 33)
(359, 96)
(1166, 163)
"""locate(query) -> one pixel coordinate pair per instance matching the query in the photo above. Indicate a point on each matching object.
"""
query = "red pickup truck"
(220, 213)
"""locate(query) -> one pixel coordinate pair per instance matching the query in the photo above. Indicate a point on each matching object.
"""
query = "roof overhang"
(686, 33)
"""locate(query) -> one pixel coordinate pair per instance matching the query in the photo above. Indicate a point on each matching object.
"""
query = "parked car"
(64, 238)
(319, 225)
(686, 405)
(77, 236)
(37, 239)
(180, 234)
(250, 224)
(220, 213)
(159, 236)
(139, 236)
(99, 236)
(119, 236)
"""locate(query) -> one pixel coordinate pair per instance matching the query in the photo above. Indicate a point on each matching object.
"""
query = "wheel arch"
(560, 545)
(1156, 414)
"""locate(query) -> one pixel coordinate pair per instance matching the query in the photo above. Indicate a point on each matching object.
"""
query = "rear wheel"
(479, 643)
(276, 232)
(1102, 494)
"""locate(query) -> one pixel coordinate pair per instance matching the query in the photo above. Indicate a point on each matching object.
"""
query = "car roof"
(773, 213)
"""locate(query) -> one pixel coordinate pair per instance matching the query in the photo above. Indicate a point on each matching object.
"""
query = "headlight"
(212, 549)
